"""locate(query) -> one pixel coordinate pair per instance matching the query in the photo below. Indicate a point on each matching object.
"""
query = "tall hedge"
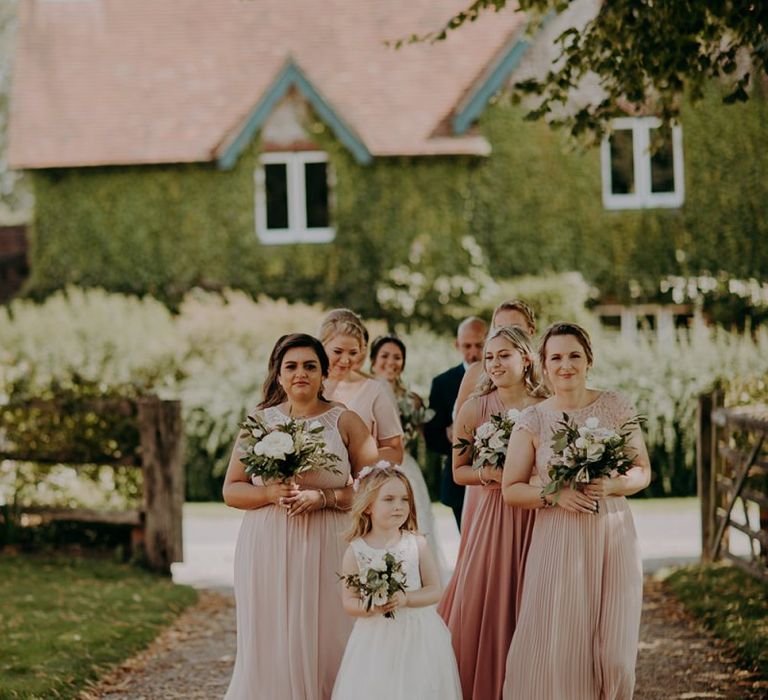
(534, 205)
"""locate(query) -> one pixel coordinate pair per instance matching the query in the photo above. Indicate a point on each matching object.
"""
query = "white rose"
(497, 441)
(513, 414)
(584, 431)
(581, 443)
(276, 445)
(485, 430)
(377, 563)
(380, 597)
(592, 422)
(257, 433)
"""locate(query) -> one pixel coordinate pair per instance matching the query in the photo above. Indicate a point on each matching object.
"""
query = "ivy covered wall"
(535, 206)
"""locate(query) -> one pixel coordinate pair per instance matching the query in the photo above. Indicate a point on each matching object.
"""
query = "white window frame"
(643, 197)
(297, 231)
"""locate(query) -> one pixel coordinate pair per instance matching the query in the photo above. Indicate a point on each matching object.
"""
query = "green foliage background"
(212, 356)
(534, 206)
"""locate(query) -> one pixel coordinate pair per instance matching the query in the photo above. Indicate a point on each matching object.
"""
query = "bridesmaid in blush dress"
(343, 336)
(481, 603)
(388, 355)
(513, 312)
(291, 626)
(577, 634)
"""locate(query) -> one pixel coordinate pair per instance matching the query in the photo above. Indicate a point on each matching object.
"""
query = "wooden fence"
(159, 455)
(732, 470)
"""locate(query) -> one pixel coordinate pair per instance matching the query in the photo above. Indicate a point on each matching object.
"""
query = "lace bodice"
(329, 420)
(406, 550)
(610, 408)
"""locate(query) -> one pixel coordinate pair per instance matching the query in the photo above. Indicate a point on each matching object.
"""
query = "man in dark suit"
(438, 432)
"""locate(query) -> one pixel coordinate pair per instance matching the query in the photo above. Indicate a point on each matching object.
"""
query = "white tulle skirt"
(408, 657)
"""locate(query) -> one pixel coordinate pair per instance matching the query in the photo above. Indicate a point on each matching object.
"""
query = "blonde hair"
(521, 307)
(343, 322)
(368, 490)
(520, 340)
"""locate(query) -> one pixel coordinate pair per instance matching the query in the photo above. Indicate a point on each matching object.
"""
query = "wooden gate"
(159, 455)
(732, 471)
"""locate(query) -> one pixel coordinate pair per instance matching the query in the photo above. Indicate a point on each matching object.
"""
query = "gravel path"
(193, 658)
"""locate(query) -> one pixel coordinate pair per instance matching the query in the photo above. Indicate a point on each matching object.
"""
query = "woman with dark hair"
(291, 626)
(577, 635)
(387, 364)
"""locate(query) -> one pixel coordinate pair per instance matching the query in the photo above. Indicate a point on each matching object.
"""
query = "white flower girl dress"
(404, 658)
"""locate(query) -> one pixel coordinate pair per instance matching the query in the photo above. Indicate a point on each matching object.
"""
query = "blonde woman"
(482, 600)
(343, 336)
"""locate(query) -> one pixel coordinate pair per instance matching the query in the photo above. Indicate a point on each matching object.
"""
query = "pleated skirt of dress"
(482, 601)
(577, 635)
(291, 626)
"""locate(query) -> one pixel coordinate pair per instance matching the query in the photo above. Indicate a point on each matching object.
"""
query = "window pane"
(662, 161)
(276, 183)
(316, 185)
(622, 162)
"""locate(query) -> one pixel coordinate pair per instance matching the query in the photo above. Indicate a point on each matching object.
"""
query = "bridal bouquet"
(413, 414)
(491, 438)
(285, 450)
(588, 452)
(378, 582)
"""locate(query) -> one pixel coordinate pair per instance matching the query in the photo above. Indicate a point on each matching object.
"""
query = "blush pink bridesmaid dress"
(291, 626)
(577, 635)
(481, 603)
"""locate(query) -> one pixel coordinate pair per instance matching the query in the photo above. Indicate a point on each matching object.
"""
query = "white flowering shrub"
(416, 293)
(213, 356)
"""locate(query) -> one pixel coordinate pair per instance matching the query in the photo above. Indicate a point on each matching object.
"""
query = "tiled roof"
(159, 81)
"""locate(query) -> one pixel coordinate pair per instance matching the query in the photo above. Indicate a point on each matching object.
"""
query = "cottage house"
(284, 147)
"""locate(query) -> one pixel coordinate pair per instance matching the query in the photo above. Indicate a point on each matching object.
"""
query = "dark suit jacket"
(442, 396)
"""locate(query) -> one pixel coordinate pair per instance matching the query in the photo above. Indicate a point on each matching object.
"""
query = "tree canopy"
(646, 54)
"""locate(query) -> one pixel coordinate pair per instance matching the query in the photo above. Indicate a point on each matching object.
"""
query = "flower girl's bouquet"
(378, 582)
(413, 414)
(489, 446)
(284, 451)
(588, 452)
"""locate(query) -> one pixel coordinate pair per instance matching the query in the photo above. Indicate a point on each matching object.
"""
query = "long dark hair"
(272, 393)
(381, 341)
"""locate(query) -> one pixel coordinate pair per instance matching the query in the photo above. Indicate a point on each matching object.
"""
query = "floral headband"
(367, 471)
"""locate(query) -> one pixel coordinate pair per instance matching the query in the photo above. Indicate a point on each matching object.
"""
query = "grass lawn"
(63, 620)
(732, 604)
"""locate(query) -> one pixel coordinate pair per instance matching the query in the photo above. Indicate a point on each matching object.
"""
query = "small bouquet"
(491, 438)
(284, 451)
(378, 581)
(413, 414)
(588, 452)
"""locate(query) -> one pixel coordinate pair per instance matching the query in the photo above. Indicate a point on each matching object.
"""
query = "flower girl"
(399, 647)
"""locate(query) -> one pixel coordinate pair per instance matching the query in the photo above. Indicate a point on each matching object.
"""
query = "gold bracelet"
(326, 493)
(325, 500)
(480, 476)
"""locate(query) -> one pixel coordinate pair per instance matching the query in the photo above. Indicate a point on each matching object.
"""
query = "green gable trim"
(292, 76)
(476, 101)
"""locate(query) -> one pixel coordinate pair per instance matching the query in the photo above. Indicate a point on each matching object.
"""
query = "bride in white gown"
(387, 364)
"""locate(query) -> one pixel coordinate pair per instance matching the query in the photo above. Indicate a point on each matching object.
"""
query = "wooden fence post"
(705, 472)
(161, 439)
